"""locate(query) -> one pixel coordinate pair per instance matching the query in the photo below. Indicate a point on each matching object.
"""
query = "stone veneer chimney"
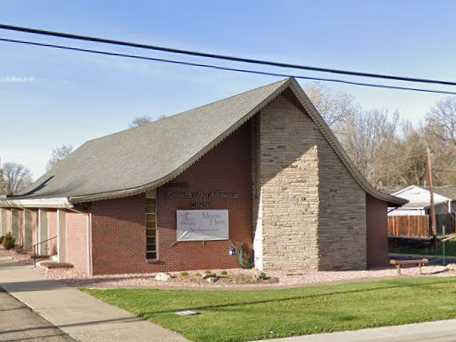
(309, 212)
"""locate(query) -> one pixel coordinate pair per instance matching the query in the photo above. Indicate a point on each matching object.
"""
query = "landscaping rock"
(451, 267)
(162, 276)
(212, 280)
(209, 276)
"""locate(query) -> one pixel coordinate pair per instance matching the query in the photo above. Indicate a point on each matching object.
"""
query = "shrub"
(245, 257)
(1, 239)
(8, 241)
(184, 274)
(224, 273)
(263, 276)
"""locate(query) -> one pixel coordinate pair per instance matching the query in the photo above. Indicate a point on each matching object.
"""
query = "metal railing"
(35, 249)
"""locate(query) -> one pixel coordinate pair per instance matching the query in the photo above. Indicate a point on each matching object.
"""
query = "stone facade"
(342, 232)
(311, 212)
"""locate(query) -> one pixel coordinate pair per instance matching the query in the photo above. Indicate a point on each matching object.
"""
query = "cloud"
(16, 79)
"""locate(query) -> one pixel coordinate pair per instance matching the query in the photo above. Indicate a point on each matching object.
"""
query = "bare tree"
(369, 138)
(412, 156)
(140, 121)
(335, 107)
(58, 154)
(17, 177)
(387, 153)
(440, 134)
(144, 120)
(441, 121)
(3, 186)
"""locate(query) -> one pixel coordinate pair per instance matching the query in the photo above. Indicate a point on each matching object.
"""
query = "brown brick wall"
(118, 236)
(118, 226)
(377, 232)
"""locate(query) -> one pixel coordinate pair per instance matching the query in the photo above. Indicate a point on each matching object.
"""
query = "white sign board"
(202, 225)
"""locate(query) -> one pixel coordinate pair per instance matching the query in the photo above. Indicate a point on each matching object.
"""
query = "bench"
(413, 262)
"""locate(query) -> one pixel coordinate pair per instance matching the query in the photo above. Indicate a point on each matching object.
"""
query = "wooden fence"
(409, 226)
(420, 226)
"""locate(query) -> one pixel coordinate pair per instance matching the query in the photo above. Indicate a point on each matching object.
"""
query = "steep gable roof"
(135, 160)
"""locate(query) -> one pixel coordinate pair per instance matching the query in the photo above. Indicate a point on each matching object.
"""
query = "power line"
(218, 67)
(115, 54)
(219, 56)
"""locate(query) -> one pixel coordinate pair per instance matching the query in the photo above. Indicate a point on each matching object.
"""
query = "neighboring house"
(260, 170)
(449, 192)
(413, 218)
(419, 201)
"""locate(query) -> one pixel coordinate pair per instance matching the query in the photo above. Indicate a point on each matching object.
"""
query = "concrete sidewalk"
(19, 323)
(438, 331)
(79, 315)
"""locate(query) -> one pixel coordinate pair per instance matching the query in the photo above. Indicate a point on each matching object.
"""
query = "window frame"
(150, 196)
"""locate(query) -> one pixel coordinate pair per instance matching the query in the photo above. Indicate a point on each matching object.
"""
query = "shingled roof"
(135, 160)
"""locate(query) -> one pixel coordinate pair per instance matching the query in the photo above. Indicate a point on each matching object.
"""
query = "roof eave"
(48, 203)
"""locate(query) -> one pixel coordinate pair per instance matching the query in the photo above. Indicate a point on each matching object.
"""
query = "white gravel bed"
(17, 258)
(295, 279)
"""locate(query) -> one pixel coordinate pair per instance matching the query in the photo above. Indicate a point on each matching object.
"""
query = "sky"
(51, 97)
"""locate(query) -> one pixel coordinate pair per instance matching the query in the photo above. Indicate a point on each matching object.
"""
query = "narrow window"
(151, 229)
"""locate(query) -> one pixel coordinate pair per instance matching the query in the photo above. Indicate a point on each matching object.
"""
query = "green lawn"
(248, 315)
(450, 249)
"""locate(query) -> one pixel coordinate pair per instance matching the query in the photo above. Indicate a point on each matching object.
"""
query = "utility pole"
(429, 173)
